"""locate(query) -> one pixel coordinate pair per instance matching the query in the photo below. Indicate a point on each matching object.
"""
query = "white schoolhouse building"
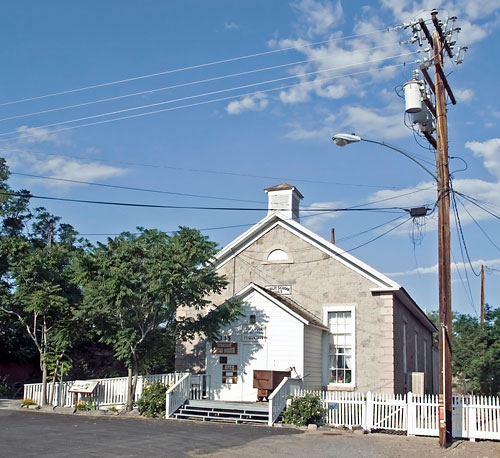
(310, 309)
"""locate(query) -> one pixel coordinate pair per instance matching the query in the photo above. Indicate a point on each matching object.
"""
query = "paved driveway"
(38, 434)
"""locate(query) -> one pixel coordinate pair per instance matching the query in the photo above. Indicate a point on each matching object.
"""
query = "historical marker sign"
(224, 348)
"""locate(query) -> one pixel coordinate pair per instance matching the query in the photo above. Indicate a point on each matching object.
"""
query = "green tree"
(476, 353)
(41, 294)
(134, 285)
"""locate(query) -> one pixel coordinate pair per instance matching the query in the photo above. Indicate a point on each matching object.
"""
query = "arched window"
(277, 256)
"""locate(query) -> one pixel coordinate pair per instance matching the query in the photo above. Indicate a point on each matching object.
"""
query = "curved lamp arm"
(346, 139)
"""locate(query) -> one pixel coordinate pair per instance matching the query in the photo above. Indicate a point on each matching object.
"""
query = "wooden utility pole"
(444, 263)
(482, 295)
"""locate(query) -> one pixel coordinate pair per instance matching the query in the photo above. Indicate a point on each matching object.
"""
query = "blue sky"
(257, 122)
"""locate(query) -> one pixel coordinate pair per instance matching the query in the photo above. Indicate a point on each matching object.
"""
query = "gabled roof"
(383, 284)
(286, 304)
(279, 219)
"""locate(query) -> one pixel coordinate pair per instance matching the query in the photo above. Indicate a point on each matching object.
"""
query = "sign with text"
(83, 386)
(224, 348)
(284, 290)
(253, 333)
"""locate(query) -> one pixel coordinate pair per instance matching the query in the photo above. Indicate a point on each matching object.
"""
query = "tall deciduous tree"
(41, 293)
(134, 284)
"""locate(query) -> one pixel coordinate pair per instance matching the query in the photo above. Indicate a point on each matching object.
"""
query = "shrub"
(28, 402)
(304, 410)
(152, 401)
(83, 406)
(6, 388)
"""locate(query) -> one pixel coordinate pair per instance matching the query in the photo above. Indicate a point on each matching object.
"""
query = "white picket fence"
(109, 392)
(474, 417)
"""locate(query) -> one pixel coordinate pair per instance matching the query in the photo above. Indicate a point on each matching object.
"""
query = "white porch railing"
(111, 391)
(177, 395)
(277, 399)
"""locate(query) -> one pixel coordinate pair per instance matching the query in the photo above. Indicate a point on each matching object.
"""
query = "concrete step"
(217, 413)
(234, 412)
(191, 416)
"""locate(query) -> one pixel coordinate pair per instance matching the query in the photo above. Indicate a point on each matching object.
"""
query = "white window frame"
(342, 308)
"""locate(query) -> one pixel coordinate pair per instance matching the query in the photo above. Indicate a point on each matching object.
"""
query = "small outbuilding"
(273, 333)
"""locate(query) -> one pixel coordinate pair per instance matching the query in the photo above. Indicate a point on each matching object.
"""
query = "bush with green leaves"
(152, 401)
(304, 410)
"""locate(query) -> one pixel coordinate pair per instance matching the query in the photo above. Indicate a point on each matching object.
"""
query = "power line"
(378, 237)
(216, 172)
(207, 101)
(348, 237)
(176, 86)
(187, 207)
(192, 67)
(479, 226)
(131, 188)
(220, 91)
(461, 237)
(475, 202)
(167, 232)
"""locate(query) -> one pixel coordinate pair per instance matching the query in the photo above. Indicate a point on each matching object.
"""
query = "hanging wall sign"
(284, 290)
(224, 348)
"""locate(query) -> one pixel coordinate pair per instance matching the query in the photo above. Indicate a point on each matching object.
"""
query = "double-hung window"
(341, 349)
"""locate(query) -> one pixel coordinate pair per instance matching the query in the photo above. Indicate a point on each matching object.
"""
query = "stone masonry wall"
(317, 280)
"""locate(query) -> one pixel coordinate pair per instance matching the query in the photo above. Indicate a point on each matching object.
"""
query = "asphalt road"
(25, 433)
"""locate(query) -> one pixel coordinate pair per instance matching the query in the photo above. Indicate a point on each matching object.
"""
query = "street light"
(347, 139)
(444, 275)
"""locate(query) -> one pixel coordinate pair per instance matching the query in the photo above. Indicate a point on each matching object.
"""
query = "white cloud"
(489, 151)
(464, 95)
(256, 102)
(370, 122)
(230, 26)
(318, 17)
(454, 267)
(37, 134)
(59, 167)
(315, 220)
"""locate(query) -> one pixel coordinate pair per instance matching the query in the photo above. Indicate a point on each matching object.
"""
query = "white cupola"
(284, 198)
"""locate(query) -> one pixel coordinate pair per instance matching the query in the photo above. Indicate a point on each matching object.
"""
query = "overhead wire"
(184, 207)
(132, 188)
(378, 237)
(478, 225)
(193, 67)
(177, 86)
(216, 172)
(460, 232)
(205, 102)
(220, 91)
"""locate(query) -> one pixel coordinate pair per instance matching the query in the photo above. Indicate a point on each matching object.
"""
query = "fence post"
(368, 412)
(472, 418)
(411, 412)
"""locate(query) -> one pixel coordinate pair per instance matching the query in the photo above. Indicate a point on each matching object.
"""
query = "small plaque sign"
(284, 290)
(224, 348)
(230, 380)
(83, 386)
(230, 367)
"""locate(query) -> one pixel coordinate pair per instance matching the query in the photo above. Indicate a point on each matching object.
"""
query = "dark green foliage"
(152, 402)
(476, 353)
(134, 285)
(304, 410)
